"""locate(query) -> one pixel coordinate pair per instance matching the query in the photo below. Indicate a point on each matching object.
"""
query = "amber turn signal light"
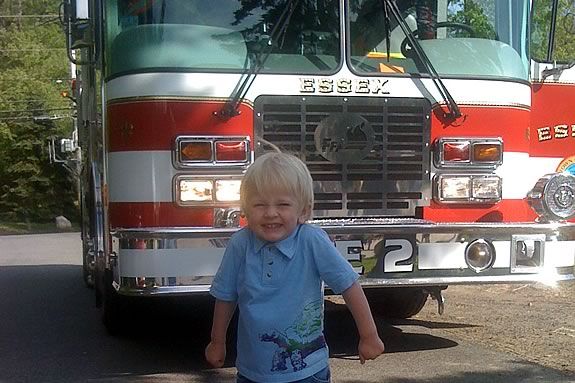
(196, 151)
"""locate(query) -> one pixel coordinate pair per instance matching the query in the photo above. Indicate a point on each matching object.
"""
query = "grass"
(14, 228)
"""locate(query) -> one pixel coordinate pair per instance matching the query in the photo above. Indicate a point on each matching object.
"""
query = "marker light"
(468, 153)
(232, 151)
(487, 152)
(456, 151)
(196, 151)
(210, 151)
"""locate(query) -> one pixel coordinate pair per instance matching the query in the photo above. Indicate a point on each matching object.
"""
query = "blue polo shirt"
(279, 291)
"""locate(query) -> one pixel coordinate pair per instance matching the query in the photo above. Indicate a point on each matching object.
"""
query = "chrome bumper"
(183, 260)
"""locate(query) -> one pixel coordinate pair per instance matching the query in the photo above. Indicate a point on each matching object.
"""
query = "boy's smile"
(275, 216)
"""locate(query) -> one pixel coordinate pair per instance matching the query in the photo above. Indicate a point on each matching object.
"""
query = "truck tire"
(396, 303)
(113, 307)
(87, 266)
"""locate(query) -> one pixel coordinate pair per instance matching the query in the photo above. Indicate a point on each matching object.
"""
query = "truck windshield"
(483, 38)
(220, 35)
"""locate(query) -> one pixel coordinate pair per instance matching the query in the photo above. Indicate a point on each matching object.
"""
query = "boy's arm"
(216, 349)
(370, 345)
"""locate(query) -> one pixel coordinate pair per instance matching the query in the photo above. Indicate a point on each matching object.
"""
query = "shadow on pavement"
(342, 337)
(50, 331)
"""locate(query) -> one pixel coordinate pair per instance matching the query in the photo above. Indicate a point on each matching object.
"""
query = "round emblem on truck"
(567, 165)
(344, 137)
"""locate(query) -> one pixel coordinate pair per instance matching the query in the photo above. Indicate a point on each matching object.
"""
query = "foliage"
(564, 47)
(14, 228)
(33, 70)
(476, 14)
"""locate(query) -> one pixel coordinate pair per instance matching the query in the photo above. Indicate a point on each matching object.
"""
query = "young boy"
(274, 271)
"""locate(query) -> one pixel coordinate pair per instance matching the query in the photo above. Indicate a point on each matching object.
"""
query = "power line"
(26, 16)
(25, 101)
(34, 110)
(20, 79)
(55, 117)
(31, 49)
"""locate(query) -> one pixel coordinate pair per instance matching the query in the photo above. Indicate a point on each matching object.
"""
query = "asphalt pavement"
(50, 331)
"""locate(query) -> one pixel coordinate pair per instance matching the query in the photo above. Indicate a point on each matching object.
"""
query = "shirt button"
(269, 275)
(270, 262)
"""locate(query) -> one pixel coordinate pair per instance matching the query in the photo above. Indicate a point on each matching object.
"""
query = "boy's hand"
(216, 354)
(370, 348)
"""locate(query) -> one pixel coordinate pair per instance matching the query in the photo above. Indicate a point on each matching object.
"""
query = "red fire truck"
(440, 135)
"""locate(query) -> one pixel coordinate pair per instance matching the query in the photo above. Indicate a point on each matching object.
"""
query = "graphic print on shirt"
(299, 340)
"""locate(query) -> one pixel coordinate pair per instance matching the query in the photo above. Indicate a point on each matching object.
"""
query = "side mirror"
(80, 10)
(79, 28)
(78, 19)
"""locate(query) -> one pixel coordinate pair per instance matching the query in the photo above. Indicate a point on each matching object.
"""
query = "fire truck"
(440, 135)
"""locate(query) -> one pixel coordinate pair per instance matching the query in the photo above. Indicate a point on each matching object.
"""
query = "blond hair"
(274, 171)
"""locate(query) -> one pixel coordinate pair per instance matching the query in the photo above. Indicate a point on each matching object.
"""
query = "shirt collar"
(286, 246)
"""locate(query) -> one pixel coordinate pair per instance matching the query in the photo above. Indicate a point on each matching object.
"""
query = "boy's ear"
(305, 214)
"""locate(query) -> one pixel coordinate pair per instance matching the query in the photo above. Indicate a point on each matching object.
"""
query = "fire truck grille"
(367, 156)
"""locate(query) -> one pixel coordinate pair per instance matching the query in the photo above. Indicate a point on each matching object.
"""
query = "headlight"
(553, 196)
(189, 190)
(454, 188)
(459, 188)
(195, 191)
(486, 188)
(228, 190)
(479, 255)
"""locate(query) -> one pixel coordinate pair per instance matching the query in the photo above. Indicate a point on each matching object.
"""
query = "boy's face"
(275, 216)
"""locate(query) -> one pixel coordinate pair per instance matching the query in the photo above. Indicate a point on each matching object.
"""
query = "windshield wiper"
(386, 27)
(231, 107)
(453, 109)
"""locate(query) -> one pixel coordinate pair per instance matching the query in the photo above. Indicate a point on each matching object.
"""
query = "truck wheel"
(113, 307)
(88, 266)
(88, 280)
(397, 303)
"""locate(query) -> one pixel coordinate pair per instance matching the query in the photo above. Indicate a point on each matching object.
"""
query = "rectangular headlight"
(463, 188)
(486, 188)
(228, 190)
(206, 190)
(454, 188)
(194, 190)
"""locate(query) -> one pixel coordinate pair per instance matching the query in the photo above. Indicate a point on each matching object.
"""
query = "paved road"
(50, 332)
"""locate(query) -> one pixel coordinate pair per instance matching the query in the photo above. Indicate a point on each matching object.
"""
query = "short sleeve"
(333, 268)
(224, 285)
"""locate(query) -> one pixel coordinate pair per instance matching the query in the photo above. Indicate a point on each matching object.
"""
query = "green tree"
(474, 13)
(33, 71)
(564, 47)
